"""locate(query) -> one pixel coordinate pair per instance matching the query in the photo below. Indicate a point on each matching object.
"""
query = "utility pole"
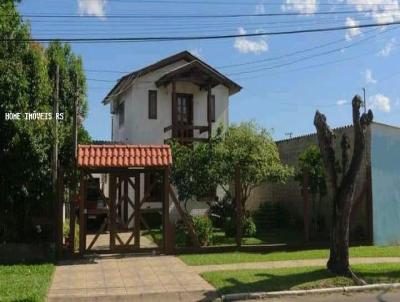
(72, 217)
(57, 226)
(75, 118)
(290, 134)
(55, 130)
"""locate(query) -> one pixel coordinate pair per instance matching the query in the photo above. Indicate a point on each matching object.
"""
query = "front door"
(184, 115)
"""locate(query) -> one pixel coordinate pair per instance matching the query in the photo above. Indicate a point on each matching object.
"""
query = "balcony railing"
(185, 133)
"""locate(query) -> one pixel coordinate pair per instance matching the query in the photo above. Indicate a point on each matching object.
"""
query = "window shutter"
(152, 104)
(213, 108)
(121, 114)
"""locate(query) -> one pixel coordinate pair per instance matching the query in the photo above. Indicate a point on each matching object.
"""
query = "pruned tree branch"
(326, 145)
(343, 194)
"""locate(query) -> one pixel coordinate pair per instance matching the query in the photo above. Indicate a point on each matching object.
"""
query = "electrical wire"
(203, 37)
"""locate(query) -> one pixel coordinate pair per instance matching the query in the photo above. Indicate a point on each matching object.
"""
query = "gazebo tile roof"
(123, 156)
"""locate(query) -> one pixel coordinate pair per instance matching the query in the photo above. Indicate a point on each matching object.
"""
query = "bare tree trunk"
(343, 192)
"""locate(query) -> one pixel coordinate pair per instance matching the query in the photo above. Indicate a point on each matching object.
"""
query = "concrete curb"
(345, 289)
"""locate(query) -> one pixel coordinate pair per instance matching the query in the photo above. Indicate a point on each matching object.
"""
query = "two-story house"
(179, 97)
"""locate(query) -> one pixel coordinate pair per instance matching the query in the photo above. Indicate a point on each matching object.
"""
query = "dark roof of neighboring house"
(128, 80)
(124, 156)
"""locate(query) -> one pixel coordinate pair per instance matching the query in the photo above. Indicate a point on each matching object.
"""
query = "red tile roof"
(124, 156)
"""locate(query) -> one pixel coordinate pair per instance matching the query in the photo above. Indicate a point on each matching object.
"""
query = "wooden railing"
(180, 132)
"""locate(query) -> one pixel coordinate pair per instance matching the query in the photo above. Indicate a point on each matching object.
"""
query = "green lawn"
(236, 257)
(297, 278)
(28, 283)
(270, 237)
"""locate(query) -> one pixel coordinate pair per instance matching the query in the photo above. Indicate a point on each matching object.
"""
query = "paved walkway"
(128, 278)
(287, 263)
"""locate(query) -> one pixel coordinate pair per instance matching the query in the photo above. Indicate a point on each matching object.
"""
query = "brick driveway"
(128, 278)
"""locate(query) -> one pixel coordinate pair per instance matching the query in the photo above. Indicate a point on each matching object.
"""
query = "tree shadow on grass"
(389, 275)
(277, 282)
(317, 278)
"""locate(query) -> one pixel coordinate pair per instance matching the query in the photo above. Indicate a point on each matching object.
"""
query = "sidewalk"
(287, 263)
(147, 278)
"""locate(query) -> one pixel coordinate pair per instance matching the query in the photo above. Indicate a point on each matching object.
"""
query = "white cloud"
(301, 6)
(381, 10)
(341, 102)
(245, 45)
(92, 7)
(260, 8)
(388, 48)
(196, 52)
(379, 102)
(369, 79)
(352, 32)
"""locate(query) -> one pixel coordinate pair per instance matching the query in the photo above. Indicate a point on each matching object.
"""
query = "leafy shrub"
(271, 216)
(66, 232)
(221, 209)
(204, 229)
(249, 227)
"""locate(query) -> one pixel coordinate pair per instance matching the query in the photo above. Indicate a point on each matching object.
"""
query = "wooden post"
(306, 210)
(239, 209)
(168, 239)
(111, 190)
(174, 110)
(59, 213)
(125, 202)
(209, 123)
(136, 229)
(72, 220)
(82, 210)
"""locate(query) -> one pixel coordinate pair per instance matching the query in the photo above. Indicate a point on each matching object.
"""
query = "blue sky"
(284, 78)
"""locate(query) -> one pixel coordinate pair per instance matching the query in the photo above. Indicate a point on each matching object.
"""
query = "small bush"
(204, 229)
(221, 209)
(66, 232)
(249, 227)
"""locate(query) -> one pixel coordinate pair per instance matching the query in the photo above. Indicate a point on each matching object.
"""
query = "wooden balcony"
(186, 133)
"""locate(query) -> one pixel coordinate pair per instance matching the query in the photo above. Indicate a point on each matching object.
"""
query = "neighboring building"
(376, 211)
(179, 97)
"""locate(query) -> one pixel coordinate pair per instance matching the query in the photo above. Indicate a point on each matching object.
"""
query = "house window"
(121, 114)
(152, 104)
(212, 108)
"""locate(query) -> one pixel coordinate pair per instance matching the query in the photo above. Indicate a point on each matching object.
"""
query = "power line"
(206, 37)
(233, 3)
(137, 16)
(311, 56)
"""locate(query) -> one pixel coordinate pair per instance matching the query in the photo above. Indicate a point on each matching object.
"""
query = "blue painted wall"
(385, 169)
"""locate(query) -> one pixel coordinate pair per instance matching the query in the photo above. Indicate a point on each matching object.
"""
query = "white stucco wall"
(139, 129)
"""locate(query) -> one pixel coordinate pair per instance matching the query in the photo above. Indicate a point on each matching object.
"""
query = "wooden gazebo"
(123, 165)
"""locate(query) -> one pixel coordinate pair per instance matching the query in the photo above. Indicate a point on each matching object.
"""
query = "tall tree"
(72, 87)
(25, 145)
(311, 176)
(252, 148)
(343, 189)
